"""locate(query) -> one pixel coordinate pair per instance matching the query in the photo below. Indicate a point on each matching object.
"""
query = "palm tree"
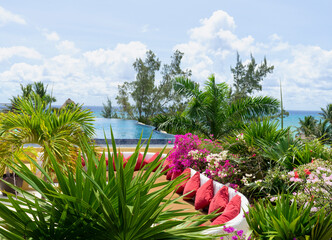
(323, 131)
(58, 132)
(327, 113)
(41, 90)
(27, 91)
(307, 126)
(212, 112)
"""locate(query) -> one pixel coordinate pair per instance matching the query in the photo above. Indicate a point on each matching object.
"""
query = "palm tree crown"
(33, 122)
(212, 112)
(327, 113)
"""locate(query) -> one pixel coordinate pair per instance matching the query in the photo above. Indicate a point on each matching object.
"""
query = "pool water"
(126, 129)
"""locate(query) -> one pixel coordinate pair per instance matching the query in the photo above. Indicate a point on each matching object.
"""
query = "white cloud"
(306, 70)
(51, 36)
(87, 77)
(18, 51)
(7, 17)
(210, 26)
(67, 47)
(118, 61)
(148, 28)
(90, 76)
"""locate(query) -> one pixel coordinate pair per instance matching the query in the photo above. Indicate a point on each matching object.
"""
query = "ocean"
(291, 121)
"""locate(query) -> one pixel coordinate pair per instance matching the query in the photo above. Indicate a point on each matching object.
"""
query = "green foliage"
(211, 112)
(107, 112)
(143, 87)
(94, 204)
(151, 99)
(275, 181)
(286, 220)
(29, 90)
(290, 152)
(327, 113)
(126, 110)
(310, 128)
(247, 78)
(60, 131)
(263, 130)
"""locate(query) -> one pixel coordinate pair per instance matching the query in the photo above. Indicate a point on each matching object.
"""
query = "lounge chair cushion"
(169, 175)
(204, 195)
(186, 174)
(219, 201)
(232, 209)
(151, 159)
(192, 186)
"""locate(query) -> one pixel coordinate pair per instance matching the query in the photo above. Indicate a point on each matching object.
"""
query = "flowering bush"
(275, 181)
(205, 156)
(221, 168)
(190, 151)
(179, 157)
(237, 235)
(313, 182)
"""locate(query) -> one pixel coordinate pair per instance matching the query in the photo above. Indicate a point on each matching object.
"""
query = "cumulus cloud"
(87, 77)
(305, 70)
(51, 36)
(90, 76)
(7, 17)
(19, 51)
(67, 47)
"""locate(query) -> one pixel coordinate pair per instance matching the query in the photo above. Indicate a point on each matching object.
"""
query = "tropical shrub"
(221, 168)
(313, 181)
(291, 153)
(263, 130)
(286, 220)
(273, 182)
(91, 204)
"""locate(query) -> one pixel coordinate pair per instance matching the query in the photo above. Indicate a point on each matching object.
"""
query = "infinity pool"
(126, 129)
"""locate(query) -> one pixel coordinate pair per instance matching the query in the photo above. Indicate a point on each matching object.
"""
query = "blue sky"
(84, 49)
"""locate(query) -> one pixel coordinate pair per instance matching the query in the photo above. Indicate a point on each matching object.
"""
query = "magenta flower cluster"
(179, 156)
(205, 156)
(238, 235)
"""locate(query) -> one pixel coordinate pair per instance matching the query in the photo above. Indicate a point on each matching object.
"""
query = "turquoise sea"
(291, 121)
(133, 129)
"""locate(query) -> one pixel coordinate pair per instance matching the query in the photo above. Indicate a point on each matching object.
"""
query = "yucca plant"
(286, 220)
(94, 204)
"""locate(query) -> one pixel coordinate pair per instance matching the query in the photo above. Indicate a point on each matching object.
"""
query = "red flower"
(307, 171)
(254, 155)
(296, 175)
